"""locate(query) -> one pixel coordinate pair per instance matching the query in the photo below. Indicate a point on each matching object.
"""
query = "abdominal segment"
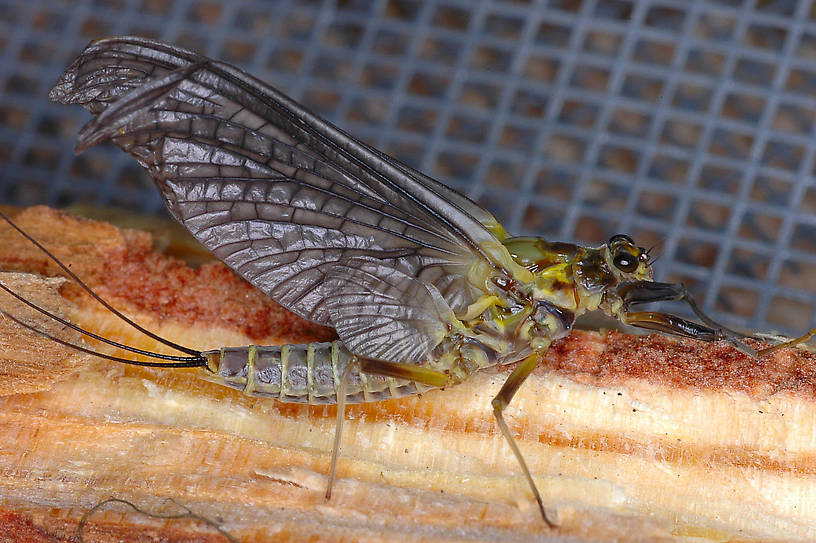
(309, 373)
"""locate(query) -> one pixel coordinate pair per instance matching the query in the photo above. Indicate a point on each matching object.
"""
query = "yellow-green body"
(511, 320)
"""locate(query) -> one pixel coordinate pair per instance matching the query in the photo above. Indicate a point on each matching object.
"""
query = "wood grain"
(707, 446)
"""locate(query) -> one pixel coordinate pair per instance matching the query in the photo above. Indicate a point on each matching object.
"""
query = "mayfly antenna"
(94, 295)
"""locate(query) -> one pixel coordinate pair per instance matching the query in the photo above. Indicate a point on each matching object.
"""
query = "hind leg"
(378, 367)
(338, 425)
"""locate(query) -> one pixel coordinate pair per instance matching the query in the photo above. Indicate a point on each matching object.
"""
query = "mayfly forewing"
(281, 216)
(110, 68)
(354, 194)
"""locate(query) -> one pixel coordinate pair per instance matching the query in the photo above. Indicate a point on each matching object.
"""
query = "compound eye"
(625, 262)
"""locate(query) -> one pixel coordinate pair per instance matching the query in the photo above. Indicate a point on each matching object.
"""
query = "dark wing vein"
(385, 210)
(278, 194)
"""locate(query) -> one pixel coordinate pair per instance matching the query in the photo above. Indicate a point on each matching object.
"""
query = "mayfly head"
(627, 261)
(599, 273)
(621, 262)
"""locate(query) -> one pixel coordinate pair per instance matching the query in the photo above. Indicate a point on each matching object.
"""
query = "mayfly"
(422, 285)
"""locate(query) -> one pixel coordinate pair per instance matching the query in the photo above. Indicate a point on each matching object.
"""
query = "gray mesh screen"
(688, 125)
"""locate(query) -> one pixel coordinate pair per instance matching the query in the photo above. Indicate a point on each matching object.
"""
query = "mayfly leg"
(790, 343)
(354, 364)
(500, 403)
(642, 292)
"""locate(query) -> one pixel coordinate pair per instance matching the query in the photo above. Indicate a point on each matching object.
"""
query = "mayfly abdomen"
(307, 373)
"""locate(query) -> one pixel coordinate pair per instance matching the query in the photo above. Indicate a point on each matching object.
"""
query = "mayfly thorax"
(422, 285)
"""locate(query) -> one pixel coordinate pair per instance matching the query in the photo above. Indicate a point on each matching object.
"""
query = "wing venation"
(278, 194)
(380, 312)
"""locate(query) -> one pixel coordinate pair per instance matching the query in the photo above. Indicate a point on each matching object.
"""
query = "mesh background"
(689, 125)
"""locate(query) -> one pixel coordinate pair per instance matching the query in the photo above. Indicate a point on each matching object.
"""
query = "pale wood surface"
(619, 457)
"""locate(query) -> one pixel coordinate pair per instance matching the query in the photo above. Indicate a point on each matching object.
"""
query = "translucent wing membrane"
(279, 195)
(380, 312)
(110, 68)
